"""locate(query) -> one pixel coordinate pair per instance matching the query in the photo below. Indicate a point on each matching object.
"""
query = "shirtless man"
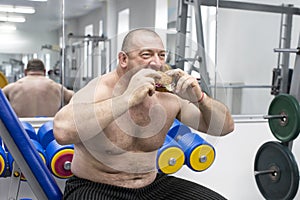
(36, 95)
(118, 122)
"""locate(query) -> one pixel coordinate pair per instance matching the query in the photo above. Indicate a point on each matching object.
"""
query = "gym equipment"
(276, 171)
(39, 149)
(59, 157)
(3, 160)
(199, 154)
(178, 129)
(27, 159)
(284, 117)
(170, 157)
(34, 139)
(30, 130)
(3, 80)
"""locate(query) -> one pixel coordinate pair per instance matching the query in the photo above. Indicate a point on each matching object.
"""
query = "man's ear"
(123, 59)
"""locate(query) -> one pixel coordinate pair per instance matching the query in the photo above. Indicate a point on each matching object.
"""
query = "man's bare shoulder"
(97, 89)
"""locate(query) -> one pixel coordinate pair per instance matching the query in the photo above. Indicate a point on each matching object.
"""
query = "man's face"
(147, 58)
(146, 52)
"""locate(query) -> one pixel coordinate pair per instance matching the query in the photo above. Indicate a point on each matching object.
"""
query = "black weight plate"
(286, 129)
(282, 184)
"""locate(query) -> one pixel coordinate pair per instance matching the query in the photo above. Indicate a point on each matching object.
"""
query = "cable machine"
(86, 58)
(281, 75)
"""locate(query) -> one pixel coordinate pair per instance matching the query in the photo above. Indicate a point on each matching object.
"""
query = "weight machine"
(81, 63)
(27, 158)
(275, 168)
(281, 75)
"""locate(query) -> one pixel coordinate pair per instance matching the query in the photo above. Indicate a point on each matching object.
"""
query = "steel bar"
(269, 171)
(249, 6)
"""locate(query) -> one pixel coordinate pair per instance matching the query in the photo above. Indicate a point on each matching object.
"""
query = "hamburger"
(165, 83)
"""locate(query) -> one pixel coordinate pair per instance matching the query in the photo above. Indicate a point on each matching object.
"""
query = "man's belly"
(129, 169)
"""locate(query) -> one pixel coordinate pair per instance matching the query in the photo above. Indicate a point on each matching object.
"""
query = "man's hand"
(140, 86)
(187, 86)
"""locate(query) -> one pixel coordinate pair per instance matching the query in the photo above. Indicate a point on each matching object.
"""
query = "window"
(88, 49)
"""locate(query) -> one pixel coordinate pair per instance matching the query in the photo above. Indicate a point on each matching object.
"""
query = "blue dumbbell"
(199, 154)
(59, 157)
(178, 129)
(3, 160)
(170, 157)
(34, 139)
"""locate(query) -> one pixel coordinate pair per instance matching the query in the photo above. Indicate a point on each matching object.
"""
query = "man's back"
(34, 96)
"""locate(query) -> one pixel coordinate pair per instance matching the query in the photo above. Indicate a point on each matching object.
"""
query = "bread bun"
(164, 84)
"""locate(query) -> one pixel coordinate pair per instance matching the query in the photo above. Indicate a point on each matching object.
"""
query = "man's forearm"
(78, 122)
(216, 116)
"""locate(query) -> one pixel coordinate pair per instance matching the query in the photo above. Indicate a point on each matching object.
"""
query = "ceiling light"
(12, 18)
(38, 0)
(7, 28)
(17, 9)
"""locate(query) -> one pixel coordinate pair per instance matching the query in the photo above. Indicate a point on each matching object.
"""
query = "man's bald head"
(129, 40)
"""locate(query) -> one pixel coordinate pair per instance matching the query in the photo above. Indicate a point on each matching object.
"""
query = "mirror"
(37, 37)
(241, 68)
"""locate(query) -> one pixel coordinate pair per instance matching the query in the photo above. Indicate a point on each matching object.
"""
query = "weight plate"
(170, 160)
(285, 129)
(201, 157)
(283, 182)
(3, 80)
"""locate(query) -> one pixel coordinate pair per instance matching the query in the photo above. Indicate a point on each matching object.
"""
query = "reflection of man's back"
(35, 96)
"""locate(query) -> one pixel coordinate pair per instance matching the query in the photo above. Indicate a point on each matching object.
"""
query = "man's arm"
(209, 116)
(7, 89)
(94, 107)
(68, 94)
(198, 110)
(85, 116)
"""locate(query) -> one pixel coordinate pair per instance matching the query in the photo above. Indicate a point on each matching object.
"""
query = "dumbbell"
(170, 157)
(59, 157)
(34, 139)
(199, 154)
(178, 129)
(3, 160)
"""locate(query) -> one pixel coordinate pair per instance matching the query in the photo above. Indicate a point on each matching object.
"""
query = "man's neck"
(35, 73)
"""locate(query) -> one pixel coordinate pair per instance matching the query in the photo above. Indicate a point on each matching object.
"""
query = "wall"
(246, 40)
(231, 174)
(25, 42)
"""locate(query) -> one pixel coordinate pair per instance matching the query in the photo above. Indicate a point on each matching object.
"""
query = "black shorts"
(165, 187)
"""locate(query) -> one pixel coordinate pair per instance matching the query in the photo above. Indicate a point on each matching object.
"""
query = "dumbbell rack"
(40, 180)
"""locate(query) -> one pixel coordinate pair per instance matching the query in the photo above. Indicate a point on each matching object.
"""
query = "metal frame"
(285, 38)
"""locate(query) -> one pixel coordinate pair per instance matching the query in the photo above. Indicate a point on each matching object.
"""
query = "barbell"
(275, 168)
(284, 117)
(276, 171)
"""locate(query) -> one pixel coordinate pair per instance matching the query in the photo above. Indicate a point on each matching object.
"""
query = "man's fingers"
(175, 72)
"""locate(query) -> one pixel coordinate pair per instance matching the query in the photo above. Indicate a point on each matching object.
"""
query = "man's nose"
(156, 61)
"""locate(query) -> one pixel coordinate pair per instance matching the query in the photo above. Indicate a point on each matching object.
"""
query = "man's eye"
(146, 55)
(162, 55)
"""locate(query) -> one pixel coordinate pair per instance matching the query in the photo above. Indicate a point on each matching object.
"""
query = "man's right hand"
(140, 86)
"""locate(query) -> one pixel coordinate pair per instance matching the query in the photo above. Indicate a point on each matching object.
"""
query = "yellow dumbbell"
(199, 154)
(170, 157)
